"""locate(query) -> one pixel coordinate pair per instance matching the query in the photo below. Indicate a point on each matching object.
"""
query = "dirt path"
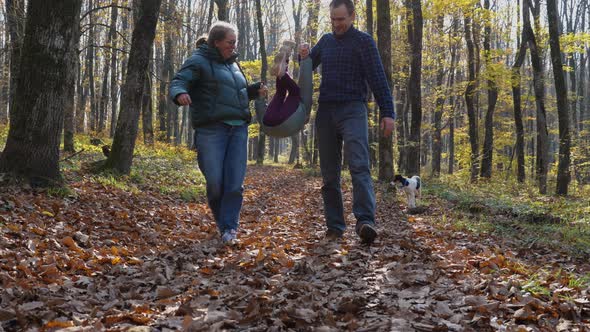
(154, 263)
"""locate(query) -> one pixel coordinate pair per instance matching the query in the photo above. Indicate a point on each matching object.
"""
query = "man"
(349, 60)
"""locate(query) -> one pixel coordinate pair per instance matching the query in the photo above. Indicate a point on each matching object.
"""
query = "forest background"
(493, 111)
(469, 99)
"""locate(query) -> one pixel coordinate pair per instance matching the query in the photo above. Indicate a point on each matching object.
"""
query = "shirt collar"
(345, 34)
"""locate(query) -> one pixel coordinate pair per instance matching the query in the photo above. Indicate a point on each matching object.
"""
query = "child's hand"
(263, 91)
(303, 51)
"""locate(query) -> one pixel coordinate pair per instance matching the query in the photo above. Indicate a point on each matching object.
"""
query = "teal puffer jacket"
(218, 89)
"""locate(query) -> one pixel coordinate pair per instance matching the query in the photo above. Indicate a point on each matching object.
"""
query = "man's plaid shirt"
(349, 62)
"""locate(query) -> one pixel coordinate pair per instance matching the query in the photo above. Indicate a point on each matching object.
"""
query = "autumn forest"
(104, 222)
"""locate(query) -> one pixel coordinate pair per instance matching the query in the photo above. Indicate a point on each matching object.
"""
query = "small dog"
(412, 187)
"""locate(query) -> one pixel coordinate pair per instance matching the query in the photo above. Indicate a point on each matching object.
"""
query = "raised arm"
(314, 54)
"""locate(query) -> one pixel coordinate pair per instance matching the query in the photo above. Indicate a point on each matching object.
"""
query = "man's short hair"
(348, 3)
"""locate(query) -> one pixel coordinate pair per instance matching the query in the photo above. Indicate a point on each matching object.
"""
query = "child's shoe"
(281, 59)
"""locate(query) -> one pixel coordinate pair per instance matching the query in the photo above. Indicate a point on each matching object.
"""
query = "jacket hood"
(213, 54)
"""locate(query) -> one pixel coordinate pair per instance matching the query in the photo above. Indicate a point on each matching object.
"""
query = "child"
(288, 96)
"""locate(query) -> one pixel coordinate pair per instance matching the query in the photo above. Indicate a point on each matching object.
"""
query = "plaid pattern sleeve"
(375, 75)
(315, 53)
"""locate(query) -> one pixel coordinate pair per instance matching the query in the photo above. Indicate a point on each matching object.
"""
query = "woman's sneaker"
(229, 236)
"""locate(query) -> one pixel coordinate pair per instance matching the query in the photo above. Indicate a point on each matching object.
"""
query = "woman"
(212, 83)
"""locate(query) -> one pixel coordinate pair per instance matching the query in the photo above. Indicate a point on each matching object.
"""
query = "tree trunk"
(121, 155)
(563, 169)
(516, 95)
(80, 117)
(573, 97)
(297, 10)
(572, 60)
(46, 77)
(162, 94)
(169, 111)
(210, 14)
(439, 104)
(103, 100)
(452, 117)
(488, 142)
(452, 100)
(251, 36)
(104, 96)
(384, 45)
(222, 10)
(276, 147)
(369, 19)
(470, 99)
(373, 130)
(312, 26)
(146, 109)
(127, 28)
(261, 137)
(92, 88)
(542, 139)
(15, 21)
(70, 108)
(414, 88)
(114, 74)
(584, 101)
(4, 81)
(90, 57)
(401, 121)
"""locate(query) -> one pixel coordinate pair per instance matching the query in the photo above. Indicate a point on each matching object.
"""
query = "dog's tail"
(419, 186)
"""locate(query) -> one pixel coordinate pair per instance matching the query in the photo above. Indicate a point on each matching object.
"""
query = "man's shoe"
(367, 234)
(332, 236)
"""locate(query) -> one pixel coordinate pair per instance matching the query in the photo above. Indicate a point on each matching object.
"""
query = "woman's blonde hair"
(201, 40)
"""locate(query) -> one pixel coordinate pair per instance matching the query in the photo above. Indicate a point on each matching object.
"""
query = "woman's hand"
(184, 99)
(263, 91)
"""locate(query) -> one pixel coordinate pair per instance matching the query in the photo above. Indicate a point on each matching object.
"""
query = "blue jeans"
(222, 156)
(346, 123)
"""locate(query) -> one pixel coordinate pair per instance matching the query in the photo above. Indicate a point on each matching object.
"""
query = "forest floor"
(108, 257)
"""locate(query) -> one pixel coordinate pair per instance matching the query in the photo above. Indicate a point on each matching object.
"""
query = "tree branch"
(88, 25)
(104, 47)
(103, 7)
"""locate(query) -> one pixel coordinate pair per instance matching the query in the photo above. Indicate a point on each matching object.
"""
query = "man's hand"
(387, 125)
(184, 99)
(303, 51)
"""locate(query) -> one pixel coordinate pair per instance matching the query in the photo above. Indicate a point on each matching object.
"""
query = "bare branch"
(103, 7)
(103, 47)
(87, 26)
